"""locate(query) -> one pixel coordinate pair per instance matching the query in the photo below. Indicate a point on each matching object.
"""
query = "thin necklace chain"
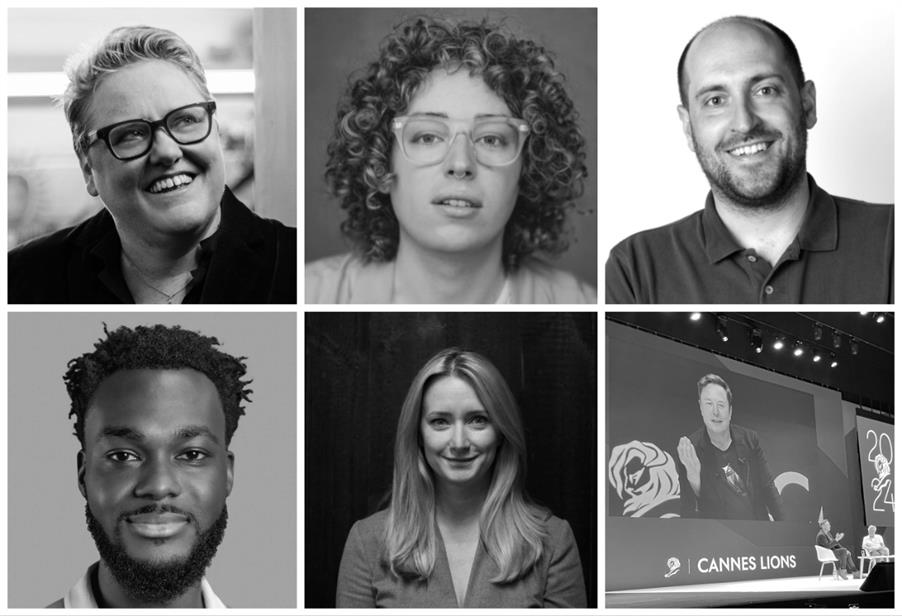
(143, 279)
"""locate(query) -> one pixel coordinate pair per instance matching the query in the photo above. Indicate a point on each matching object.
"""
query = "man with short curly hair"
(155, 409)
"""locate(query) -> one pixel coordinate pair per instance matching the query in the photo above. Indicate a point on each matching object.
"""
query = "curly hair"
(161, 348)
(520, 71)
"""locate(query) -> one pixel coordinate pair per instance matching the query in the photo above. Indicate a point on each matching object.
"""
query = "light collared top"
(872, 544)
(346, 279)
(843, 254)
(80, 596)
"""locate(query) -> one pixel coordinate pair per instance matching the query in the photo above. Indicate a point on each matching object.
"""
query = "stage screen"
(659, 531)
(876, 446)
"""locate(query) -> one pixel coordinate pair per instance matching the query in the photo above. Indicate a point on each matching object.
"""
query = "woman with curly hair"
(456, 156)
(459, 530)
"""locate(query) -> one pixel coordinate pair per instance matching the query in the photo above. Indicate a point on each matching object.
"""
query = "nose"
(745, 117)
(164, 150)
(460, 163)
(459, 441)
(158, 480)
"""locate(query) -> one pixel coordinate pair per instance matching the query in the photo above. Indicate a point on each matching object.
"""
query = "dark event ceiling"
(864, 355)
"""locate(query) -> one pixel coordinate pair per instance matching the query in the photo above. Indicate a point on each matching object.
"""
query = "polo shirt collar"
(819, 228)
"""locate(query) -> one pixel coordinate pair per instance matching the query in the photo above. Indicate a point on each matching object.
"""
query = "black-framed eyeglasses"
(133, 139)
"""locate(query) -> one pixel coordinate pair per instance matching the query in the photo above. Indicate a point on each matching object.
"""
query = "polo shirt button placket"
(768, 290)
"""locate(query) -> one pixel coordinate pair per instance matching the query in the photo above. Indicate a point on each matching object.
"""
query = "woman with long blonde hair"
(460, 530)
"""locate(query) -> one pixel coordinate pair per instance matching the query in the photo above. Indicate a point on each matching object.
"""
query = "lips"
(750, 149)
(458, 201)
(157, 525)
(461, 460)
(170, 182)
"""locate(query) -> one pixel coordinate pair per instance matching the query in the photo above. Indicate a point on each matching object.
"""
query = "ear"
(687, 126)
(88, 173)
(80, 465)
(809, 104)
(230, 471)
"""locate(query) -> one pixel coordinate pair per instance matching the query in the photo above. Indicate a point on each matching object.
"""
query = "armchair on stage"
(826, 556)
(873, 550)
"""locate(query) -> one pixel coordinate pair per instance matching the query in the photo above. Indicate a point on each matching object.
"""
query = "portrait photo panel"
(360, 368)
(50, 547)
(566, 36)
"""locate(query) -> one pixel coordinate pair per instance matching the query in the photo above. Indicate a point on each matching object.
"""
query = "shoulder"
(347, 279)
(660, 238)
(241, 217)
(323, 278)
(746, 434)
(854, 209)
(47, 249)
(697, 438)
(537, 282)
(558, 530)
(370, 530)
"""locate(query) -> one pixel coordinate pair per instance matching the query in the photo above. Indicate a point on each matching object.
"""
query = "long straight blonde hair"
(511, 527)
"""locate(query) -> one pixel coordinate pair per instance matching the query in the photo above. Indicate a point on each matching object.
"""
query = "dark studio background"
(358, 369)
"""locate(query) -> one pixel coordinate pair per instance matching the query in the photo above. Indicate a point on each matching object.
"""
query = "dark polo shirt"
(843, 254)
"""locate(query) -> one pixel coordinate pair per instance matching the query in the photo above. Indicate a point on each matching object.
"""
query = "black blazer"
(254, 261)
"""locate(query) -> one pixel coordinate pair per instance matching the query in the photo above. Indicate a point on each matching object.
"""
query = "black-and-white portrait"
(166, 471)
(450, 460)
(785, 122)
(450, 156)
(174, 181)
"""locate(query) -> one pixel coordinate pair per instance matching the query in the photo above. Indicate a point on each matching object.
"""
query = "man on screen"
(724, 471)
(873, 545)
(827, 540)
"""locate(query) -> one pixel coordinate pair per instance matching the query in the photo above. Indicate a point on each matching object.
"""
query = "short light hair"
(872, 526)
(120, 48)
(713, 379)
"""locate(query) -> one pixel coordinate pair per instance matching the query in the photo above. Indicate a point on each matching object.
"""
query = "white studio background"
(647, 174)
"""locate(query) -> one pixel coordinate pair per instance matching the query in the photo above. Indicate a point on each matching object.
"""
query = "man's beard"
(157, 583)
(770, 193)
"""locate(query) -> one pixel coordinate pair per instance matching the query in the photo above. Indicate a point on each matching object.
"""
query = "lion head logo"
(673, 566)
(644, 477)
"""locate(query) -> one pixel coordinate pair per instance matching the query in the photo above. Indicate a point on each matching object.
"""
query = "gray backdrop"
(340, 41)
(49, 545)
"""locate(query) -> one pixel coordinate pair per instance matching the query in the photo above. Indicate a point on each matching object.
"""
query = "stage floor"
(738, 594)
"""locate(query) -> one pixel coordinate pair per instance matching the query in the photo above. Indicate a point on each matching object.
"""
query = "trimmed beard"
(790, 172)
(157, 583)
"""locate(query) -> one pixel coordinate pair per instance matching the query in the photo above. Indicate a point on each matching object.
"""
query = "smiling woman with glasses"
(145, 133)
(456, 156)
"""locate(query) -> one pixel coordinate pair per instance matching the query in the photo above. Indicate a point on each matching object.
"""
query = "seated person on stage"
(826, 539)
(873, 545)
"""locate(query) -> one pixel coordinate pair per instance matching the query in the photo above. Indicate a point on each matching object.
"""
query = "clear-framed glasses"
(133, 138)
(426, 140)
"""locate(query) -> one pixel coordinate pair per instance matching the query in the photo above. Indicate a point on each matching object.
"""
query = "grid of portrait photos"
(327, 307)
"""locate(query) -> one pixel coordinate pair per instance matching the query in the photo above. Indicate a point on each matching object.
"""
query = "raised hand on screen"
(689, 458)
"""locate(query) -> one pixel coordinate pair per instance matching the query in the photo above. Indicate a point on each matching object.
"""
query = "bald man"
(767, 233)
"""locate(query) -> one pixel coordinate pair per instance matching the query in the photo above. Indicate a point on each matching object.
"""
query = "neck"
(767, 229)
(164, 256)
(721, 440)
(459, 505)
(427, 277)
(114, 596)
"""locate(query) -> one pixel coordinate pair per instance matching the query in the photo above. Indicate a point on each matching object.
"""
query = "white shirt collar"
(80, 596)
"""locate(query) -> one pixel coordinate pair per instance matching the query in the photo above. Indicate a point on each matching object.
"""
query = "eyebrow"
(753, 79)
(182, 433)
